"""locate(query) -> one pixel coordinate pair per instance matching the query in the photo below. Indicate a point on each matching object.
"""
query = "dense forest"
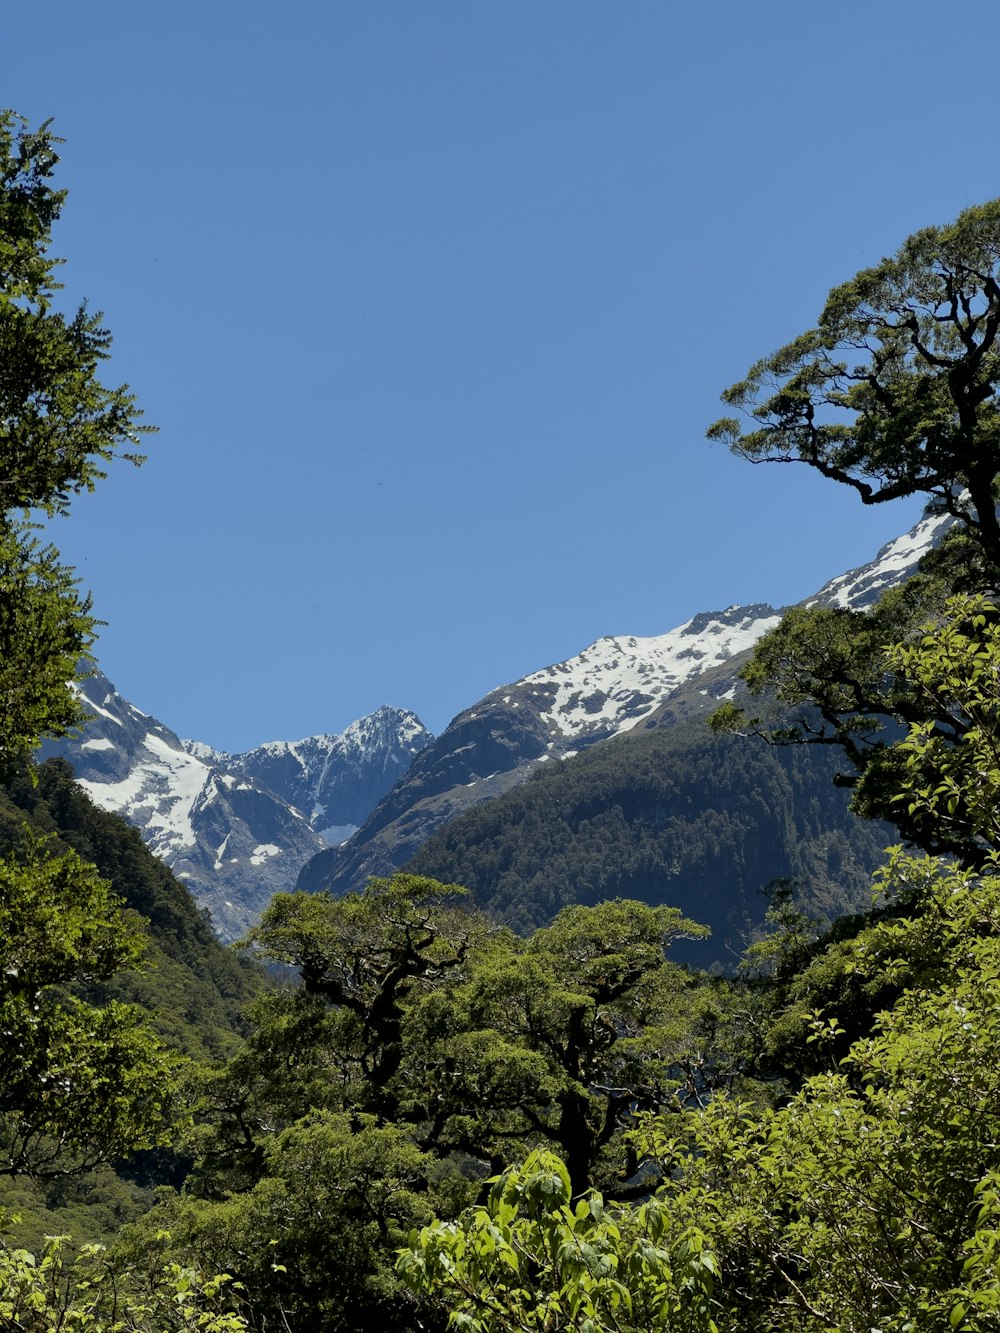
(391, 1110)
(675, 816)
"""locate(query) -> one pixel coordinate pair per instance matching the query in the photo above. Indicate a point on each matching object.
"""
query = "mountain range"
(617, 686)
(234, 828)
(330, 811)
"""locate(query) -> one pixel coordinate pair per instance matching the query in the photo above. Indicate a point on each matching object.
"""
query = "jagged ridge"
(611, 688)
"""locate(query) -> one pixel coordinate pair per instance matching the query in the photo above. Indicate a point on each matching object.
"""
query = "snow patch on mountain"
(894, 564)
(334, 779)
(158, 794)
(616, 682)
(613, 686)
(232, 826)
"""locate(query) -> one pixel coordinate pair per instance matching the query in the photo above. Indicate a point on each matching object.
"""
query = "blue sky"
(432, 303)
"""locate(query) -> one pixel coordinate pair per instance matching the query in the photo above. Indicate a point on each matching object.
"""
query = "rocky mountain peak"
(235, 828)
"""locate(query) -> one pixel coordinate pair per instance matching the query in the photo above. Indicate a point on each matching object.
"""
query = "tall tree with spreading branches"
(894, 393)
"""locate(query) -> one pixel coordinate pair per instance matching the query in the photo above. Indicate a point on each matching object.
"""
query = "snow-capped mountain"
(616, 682)
(894, 564)
(613, 686)
(335, 780)
(231, 835)
(237, 828)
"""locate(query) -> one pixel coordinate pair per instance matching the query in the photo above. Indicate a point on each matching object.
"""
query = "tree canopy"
(59, 426)
(58, 422)
(866, 1199)
(84, 1079)
(893, 393)
(862, 1193)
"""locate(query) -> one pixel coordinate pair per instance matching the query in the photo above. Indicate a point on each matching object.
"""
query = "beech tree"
(80, 1082)
(894, 392)
(868, 1199)
(59, 426)
(58, 423)
(563, 1041)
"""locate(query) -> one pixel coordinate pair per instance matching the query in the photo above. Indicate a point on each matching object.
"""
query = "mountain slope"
(336, 780)
(614, 687)
(226, 833)
(194, 988)
(667, 815)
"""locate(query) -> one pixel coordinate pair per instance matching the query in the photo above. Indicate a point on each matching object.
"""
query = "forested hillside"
(672, 816)
(189, 989)
(619, 686)
(193, 988)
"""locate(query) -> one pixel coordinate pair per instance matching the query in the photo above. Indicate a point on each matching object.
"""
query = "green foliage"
(670, 815)
(869, 1199)
(58, 426)
(55, 1292)
(559, 1041)
(364, 960)
(952, 777)
(192, 988)
(190, 992)
(45, 628)
(84, 1079)
(859, 678)
(312, 1242)
(893, 392)
(79, 1084)
(421, 1047)
(829, 678)
(530, 1259)
(782, 948)
(89, 1206)
(58, 423)
(857, 1204)
(28, 208)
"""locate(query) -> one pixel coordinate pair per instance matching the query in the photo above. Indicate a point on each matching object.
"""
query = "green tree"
(532, 1259)
(59, 425)
(312, 1242)
(893, 393)
(58, 422)
(952, 778)
(363, 961)
(563, 1041)
(45, 628)
(418, 1047)
(56, 1290)
(825, 677)
(311, 1161)
(80, 1082)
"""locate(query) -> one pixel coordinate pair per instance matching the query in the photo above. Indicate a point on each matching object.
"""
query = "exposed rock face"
(616, 685)
(222, 822)
(482, 753)
(337, 780)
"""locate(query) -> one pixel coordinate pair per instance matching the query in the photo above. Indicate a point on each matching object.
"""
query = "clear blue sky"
(432, 303)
